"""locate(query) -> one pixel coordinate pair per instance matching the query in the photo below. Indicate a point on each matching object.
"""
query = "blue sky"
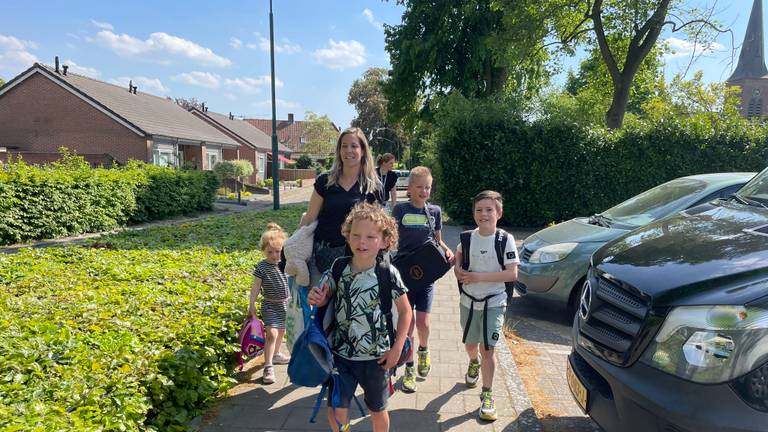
(218, 52)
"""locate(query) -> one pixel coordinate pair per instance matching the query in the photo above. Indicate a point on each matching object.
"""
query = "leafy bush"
(304, 162)
(68, 197)
(268, 183)
(134, 331)
(554, 170)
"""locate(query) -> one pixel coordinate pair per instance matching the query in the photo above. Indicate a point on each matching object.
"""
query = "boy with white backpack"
(486, 259)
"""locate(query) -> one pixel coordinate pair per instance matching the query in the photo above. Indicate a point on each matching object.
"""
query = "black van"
(671, 332)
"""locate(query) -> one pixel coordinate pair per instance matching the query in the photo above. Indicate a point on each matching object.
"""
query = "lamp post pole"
(275, 165)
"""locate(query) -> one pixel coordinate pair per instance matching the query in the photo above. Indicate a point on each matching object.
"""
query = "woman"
(387, 177)
(351, 179)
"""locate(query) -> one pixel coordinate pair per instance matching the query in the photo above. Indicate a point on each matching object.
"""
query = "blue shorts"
(421, 298)
(369, 375)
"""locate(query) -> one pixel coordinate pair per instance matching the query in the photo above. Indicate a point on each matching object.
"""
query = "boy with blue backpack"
(486, 261)
(364, 344)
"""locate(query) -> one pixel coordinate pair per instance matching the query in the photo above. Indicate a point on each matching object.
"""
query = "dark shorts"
(369, 375)
(421, 298)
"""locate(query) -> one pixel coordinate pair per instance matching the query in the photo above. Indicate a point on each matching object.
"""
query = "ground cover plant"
(133, 331)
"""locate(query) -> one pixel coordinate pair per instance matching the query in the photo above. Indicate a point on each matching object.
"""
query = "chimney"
(202, 106)
(57, 63)
(290, 118)
(130, 86)
(231, 117)
(64, 69)
(135, 88)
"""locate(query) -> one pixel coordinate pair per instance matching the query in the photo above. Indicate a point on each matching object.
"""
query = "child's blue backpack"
(311, 365)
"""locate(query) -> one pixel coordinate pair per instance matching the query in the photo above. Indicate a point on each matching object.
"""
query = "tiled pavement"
(441, 403)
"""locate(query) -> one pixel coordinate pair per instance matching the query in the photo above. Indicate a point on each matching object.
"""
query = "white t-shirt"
(482, 258)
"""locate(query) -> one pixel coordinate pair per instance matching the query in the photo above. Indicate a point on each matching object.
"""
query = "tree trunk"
(614, 118)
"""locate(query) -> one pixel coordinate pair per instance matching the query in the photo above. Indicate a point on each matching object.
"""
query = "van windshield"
(757, 188)
(654, 203)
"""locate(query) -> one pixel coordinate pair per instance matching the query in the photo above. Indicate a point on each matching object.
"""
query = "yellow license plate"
(579, 392)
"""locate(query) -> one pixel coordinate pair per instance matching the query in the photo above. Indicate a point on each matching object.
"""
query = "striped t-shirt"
(274, 284)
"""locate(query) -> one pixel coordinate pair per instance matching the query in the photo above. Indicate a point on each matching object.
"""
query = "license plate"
(579, 392)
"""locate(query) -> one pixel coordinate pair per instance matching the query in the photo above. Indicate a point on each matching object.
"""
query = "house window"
(164, 155)
(212, 156)
(262, 165)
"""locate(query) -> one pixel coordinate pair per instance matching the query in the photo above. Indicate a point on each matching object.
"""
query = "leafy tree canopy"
(368, 98)
(320, 134)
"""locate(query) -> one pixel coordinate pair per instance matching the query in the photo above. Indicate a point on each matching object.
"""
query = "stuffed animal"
(298, 250)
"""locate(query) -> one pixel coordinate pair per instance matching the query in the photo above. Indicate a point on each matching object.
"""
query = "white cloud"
(368, 14)
(286, 48)
(250, 85)
(144, 84)
(15, 55)
(82, 70)
(684, 48)
(102, 25)
(279, 103)
(235, 43)
(200, 79)
(230, 96)
(159, 47)
(341, 55)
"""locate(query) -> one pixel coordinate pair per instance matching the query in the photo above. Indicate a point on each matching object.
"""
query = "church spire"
(751, 60)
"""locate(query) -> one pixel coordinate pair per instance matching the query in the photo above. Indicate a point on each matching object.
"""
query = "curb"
(526, 418)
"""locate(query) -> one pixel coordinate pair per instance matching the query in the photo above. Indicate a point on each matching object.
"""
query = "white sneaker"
(269, 375)
(280, 359)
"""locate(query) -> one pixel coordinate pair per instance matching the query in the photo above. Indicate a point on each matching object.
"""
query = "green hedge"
(69, 197)
(550, 171)
(134, 331)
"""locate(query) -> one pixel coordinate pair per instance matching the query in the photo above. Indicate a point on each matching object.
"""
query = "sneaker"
(269, 375)
(280, 359)
(409, 380)
(473, 373)
(487, 406)
(424, 363)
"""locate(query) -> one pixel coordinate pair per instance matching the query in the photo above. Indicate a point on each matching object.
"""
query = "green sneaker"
(487, 406)
(409, 380)
(473, 373)
(425, 364)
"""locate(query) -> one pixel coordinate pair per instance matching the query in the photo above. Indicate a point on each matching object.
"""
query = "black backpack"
(500, 245)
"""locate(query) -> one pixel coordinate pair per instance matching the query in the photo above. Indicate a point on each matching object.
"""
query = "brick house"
(290, 133)
(255, 145)
(45, 108)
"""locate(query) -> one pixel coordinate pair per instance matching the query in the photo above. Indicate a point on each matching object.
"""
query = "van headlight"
(710, 344)
(552, 253)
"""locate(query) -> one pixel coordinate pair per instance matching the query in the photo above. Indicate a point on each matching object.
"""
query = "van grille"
(614, 319)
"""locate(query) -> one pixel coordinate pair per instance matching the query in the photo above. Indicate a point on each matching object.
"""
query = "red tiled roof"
(287, 133)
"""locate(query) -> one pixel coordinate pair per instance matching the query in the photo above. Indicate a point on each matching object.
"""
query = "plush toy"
(298, 250)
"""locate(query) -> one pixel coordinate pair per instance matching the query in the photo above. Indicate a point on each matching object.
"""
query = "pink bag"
(251, 340)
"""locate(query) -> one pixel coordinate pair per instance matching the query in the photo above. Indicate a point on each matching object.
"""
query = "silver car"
(554, 260)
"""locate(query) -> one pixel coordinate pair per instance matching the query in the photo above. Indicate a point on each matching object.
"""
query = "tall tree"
(319, 135)
(188, 103)
(624, 33)
(367, 96)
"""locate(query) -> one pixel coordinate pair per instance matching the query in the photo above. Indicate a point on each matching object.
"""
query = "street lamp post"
(275, 164)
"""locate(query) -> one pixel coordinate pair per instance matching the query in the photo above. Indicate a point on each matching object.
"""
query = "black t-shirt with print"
(337, 203)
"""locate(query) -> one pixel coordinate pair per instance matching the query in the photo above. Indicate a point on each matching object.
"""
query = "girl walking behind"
(388, 179)
(273, 285)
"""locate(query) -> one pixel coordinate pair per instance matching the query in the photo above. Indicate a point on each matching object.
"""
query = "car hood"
(575, 231)
(711, 254)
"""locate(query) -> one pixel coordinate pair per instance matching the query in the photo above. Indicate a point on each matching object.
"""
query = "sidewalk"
(442, 402)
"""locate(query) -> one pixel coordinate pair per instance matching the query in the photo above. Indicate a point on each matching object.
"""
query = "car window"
(655, 203)
(722, 193)
(757, 188)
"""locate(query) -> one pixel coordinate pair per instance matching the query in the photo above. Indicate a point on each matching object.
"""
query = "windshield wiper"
(748, 201)
(600, 220)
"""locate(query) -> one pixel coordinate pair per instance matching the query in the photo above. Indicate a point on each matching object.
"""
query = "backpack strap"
(501, 245)
(384, 279)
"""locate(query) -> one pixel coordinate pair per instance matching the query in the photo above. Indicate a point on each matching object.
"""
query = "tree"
(320, 135)
(304, 162)
(367, 96)
(624, 33)
(2, 83)
(233, 170)
(443, 46)
(189, 103)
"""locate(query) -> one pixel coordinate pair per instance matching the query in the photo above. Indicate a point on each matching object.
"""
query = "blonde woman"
(388, 178)
(351, 179)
